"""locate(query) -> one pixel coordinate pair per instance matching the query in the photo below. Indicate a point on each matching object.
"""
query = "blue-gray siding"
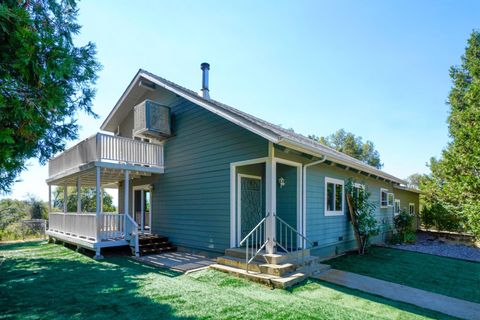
(191, 202)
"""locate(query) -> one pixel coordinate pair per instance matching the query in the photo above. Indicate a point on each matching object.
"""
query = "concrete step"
(240, 253)
(270, 258)
(241, 273)
(255, 266)
(289, 280)
(286, 281)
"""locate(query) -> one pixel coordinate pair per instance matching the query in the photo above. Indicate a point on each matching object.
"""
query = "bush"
(404, 226)
(438, 216)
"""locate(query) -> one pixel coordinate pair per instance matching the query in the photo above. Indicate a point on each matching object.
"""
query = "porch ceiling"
(108, 177)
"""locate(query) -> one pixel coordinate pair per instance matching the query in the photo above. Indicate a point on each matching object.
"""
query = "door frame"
(270, 193)
(239, 199)
(148, 188)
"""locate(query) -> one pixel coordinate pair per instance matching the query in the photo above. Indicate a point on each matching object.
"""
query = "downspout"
(304, 194)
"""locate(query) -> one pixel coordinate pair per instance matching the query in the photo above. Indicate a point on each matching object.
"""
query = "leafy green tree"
(45, 80)
(38, 208)
(414, 180)
(12, 211)
(352, 145)
(454, 182)
(362, 215)
(88, 197)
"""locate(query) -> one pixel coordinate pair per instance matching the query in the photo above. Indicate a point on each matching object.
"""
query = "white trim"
(391, 196)
(334, 182)
(411, 204)
(141, 224)
(239, 199)
(233, 195)
(395, 212)
(381, 203)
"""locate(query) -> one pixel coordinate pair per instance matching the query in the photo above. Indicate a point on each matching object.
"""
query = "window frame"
(395, 212)
(410, 205)
(390, 196)
(334, 182)
(382, 206)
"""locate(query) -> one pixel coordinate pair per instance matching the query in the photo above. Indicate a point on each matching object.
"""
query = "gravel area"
(426, 243)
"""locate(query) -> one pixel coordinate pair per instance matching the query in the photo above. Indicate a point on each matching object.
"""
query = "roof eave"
(365, 168)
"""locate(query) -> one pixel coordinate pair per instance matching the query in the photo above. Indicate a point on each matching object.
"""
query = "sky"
(379, 69)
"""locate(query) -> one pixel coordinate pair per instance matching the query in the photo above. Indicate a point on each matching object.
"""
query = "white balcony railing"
(84, 225)
(110, 148)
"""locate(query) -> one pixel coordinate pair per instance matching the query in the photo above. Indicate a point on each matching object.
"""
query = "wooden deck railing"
(110, 148)
(84, 225)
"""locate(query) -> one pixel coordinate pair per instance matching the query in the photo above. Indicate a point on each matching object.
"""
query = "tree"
(11, 211)
(454, 182)
(352, 145)
(45, 80)
(362, 215)
(38, 208)
(414, 180)
(88, 198)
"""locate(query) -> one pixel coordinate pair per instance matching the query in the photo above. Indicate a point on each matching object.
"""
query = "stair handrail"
(284, 229)
(134, 233)
(252, 245)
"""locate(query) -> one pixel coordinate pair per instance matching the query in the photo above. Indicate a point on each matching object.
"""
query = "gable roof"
(267, 130)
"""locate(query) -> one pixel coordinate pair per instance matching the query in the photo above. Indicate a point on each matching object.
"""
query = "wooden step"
(145, 251)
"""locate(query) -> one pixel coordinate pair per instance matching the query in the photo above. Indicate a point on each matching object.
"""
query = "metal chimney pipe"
(205, 92)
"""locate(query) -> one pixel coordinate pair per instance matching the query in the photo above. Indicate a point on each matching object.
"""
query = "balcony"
(107, 149)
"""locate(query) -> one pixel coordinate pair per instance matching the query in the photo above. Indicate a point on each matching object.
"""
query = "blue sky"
(376, 68)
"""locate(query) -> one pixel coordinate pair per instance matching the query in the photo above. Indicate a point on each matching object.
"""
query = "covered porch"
(98, 163)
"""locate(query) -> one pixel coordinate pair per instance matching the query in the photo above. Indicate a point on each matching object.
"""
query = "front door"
(249, 203)
(141, 209)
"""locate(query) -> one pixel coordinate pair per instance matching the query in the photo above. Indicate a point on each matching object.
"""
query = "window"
(391, 197)
(396, 209)
(411, 208)
(334, 197)
(383, 198)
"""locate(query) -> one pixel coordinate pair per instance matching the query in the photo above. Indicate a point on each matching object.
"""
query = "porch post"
(142, 208)
(101, 199)
(271, 199)
(64, 205)
(125, 204)
(97, 203)
(65, 198)
(126, 193)
(79, 195)
(49, 199)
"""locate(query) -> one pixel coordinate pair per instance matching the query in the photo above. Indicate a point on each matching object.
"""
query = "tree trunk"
(353, 218)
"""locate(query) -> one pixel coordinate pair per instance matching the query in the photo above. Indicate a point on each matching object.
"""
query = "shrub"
(404, 226)
(438, 216)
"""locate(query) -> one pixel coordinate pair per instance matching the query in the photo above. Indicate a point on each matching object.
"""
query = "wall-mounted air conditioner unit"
(152, 120)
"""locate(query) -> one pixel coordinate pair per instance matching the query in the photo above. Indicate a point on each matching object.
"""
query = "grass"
(47, 281)
(452, 277)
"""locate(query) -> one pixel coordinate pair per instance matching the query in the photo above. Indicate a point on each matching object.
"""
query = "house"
(211, 177)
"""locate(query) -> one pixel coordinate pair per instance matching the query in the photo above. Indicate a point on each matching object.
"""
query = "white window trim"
(392, 195)
(334, 181)
(381, 204)
(411, 205)
(394, 207)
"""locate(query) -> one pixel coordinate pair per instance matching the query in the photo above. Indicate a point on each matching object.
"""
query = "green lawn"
(47, 281)
(447, 276)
